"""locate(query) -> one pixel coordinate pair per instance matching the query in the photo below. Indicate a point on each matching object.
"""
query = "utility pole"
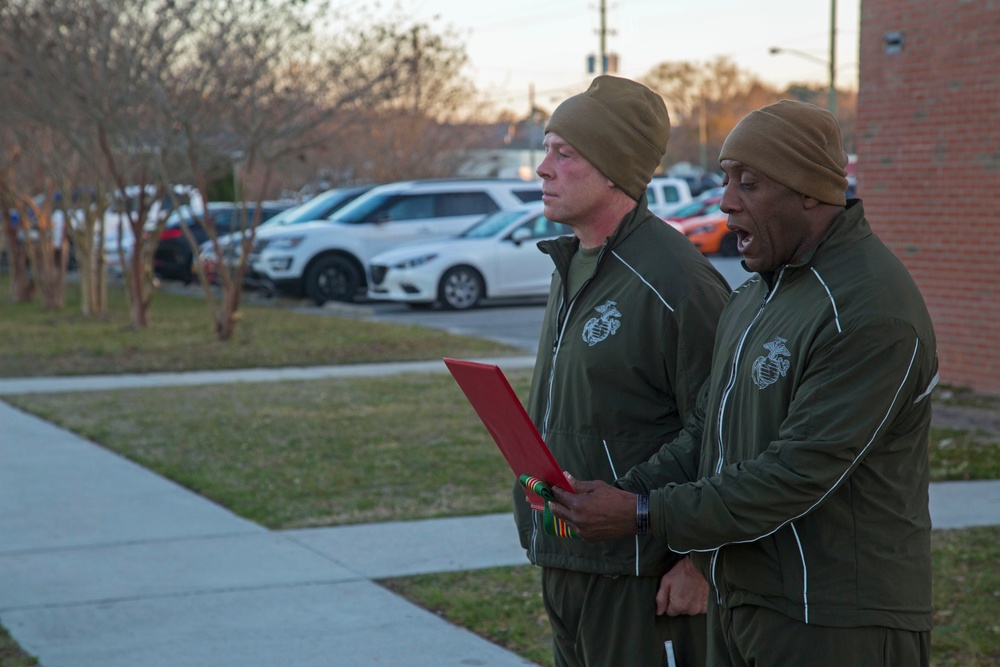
(832, 99)
(603, 37)
(531, 126)
(703, 132)
(608, 61)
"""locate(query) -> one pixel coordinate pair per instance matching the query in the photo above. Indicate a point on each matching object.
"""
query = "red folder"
(501, 411)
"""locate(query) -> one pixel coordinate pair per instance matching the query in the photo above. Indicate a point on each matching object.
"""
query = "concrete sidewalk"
(106, 564)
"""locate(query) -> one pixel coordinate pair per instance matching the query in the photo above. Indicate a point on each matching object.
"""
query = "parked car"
(320, 207)
(180, 199)
(702, 182)
(696, 208)
(174, 253)
(710, 234)
(666, 195)
(494, 258)
(328, 261)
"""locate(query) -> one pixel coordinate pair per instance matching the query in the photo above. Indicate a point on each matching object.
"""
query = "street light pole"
(831, 100)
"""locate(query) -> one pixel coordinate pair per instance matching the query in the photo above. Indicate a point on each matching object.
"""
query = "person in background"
(801, 486)
(626, 344)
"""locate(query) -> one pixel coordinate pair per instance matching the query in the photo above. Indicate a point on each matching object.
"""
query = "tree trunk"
(135, 282)
(22, 285)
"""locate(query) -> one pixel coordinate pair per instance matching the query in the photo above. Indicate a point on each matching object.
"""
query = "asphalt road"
(516, 323)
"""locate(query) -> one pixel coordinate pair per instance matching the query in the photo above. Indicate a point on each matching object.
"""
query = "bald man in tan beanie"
(626, 344)
(801, 487)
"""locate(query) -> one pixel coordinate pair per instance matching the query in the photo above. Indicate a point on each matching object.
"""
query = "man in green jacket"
(801, 487)
(626, 344)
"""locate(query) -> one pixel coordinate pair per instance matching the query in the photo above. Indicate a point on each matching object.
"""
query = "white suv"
(666, 195)
(328, 260)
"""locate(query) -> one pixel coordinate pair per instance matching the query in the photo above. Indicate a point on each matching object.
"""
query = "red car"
(694, 209)
(710, 234)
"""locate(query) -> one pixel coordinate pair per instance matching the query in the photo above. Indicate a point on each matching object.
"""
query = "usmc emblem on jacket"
(598, 328)
(767, 370)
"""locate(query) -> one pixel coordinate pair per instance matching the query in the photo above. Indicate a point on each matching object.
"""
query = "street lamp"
(831, 63)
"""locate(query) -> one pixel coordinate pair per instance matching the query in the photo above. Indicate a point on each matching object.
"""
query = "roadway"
(516, 323)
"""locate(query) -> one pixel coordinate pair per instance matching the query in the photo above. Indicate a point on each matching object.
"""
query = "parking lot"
(516, 323)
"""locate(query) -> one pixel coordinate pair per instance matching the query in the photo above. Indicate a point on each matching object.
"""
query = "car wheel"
(729, 246)
(332, 279)
(461, 288)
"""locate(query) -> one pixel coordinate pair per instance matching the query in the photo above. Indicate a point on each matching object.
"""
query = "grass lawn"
(38, 342)
(505, 604)
(300, 454)
(11, 655)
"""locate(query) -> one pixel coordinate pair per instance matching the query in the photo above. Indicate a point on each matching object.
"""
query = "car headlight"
(413, 262)
(284, 243)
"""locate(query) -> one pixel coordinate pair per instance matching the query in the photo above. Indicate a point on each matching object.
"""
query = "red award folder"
(501, 411)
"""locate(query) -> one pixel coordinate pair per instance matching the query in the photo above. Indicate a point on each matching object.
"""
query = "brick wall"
(929, 166)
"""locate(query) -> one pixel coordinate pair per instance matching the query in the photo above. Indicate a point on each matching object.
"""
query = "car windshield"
(362, 208)
(688, 209)
(491, 225)
(314, 209)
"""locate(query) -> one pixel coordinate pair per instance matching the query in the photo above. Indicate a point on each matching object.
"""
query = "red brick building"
(928, 138)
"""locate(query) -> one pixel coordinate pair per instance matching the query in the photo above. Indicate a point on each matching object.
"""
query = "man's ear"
(810, 203)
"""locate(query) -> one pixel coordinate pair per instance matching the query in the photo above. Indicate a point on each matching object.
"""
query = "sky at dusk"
(514, 45)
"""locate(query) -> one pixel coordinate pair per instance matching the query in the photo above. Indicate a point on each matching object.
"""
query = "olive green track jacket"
(618, 372)
(811, 439)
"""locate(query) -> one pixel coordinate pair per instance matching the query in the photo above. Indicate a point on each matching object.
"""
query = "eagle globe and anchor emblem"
(598, 328)
(767, 370)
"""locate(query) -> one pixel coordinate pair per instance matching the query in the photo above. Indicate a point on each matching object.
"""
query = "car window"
(464, 203)
(670, 194)
(491, 224)
(529, 195)
(223, 220)
(541, 227)
(406, 207)
(652, 196)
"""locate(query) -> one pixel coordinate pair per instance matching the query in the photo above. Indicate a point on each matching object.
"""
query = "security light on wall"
(893, 42)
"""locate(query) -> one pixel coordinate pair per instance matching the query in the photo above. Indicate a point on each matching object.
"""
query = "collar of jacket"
(563, 248)
(849, 227)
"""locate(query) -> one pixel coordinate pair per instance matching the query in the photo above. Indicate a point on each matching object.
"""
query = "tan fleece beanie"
(796, 144)
(620, 126)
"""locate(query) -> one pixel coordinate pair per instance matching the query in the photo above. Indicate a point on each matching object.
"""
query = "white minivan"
(328, 260)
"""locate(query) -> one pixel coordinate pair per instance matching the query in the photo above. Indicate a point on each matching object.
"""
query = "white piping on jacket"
(614, 473)
(836, 313)
(930, 387)
(545, 420)
(646, 282)
(805, 573)
(861, 453)
(736, 363)
(671, 309)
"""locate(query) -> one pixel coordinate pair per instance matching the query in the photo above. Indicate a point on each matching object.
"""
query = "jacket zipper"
(556, 344)
(722, 407)
(735, 367)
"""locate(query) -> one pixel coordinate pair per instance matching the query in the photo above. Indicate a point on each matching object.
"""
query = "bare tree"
(22, 286)
(705, 101)
(168, 91)
(90, 72)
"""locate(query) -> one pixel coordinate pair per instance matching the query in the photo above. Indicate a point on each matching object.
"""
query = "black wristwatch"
(641, 514)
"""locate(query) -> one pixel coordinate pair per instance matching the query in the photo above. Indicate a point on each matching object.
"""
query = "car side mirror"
(520, 235)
